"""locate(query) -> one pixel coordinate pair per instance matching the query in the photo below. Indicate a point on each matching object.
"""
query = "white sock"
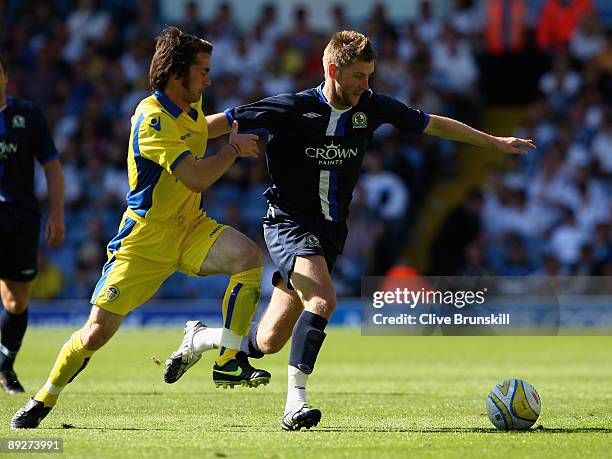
(229, 339)
(296, 388)
(207, 339)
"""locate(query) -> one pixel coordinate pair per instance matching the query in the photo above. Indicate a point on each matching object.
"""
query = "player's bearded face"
(198, 79)
(352, 81)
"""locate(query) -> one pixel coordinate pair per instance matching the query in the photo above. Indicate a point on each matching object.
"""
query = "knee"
(15, 306)
(94, 336)
(269, 344)
(322, 304)
(250, 257)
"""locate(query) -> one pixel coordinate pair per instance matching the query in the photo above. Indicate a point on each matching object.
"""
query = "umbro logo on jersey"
(156, 124)
(311, 115)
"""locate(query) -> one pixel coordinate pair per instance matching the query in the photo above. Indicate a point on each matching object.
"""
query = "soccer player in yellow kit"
(165, 228)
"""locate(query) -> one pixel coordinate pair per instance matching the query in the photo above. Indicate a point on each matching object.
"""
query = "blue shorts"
(18, 245)
(289, 236)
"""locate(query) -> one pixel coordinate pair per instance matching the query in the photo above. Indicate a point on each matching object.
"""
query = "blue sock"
(249, 343)
(12, 329)
(306, 341)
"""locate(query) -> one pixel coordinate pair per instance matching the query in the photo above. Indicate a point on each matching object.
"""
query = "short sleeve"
(399, 114)
(271, 113)
(157, 139)
(44, 148)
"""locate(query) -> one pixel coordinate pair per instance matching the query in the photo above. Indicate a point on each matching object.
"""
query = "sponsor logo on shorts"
(216, 230)
(27, 272)
(312, 241)
(112, 293)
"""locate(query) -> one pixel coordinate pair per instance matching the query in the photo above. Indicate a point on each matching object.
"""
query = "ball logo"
(360, 120)
(112, 293)
(312, 241)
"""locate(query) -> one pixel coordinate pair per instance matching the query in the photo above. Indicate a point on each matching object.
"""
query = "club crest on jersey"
(155, 123)
(360, 120)
(312, 241)
(19, 122)
(112, 293)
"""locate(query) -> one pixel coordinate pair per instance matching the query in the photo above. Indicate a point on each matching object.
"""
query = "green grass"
(380, 397)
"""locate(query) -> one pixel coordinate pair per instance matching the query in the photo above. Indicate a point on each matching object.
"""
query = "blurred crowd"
(86, 64)
(550, 212)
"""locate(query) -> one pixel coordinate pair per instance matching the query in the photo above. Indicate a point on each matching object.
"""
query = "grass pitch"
(380, 397)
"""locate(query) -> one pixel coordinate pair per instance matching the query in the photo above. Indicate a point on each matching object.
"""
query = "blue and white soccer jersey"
(314, 158)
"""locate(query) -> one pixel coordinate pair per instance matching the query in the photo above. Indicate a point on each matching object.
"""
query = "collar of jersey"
(322, 97)
(163, 99)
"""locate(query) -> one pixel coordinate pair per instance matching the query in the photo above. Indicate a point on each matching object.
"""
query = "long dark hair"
(175, 52)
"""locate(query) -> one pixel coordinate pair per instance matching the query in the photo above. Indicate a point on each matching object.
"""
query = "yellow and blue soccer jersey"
(162, 135)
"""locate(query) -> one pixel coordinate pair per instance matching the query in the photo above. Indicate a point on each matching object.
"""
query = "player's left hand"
(55, 230)
(511, 145)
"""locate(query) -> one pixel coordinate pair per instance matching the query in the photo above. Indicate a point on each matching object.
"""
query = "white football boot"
(184, 358)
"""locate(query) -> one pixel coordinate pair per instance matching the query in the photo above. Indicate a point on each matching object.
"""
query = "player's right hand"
(246, 144)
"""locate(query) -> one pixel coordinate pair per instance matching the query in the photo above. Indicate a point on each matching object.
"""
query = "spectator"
(429, 27)
(461, 227)
(466, 18)
(602, 148)
(566, 239)
(588, 39)
(558, 20)
(560, 84)
(385, 195)
(84, 23)
(505, 26)
(475, 264)
(516, 262)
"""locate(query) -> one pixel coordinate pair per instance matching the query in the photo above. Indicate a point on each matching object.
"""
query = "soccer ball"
(513, 404)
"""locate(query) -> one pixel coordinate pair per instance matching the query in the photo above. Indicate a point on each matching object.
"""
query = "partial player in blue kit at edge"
(317, 140)
(25, 138)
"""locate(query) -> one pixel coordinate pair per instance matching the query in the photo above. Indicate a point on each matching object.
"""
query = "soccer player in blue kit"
(317, 142)
(24, 138)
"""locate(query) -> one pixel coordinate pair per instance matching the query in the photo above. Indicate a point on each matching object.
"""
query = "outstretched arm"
(448, 128)
(217, 125)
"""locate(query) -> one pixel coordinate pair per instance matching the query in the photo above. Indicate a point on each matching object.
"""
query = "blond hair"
(348, 47)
